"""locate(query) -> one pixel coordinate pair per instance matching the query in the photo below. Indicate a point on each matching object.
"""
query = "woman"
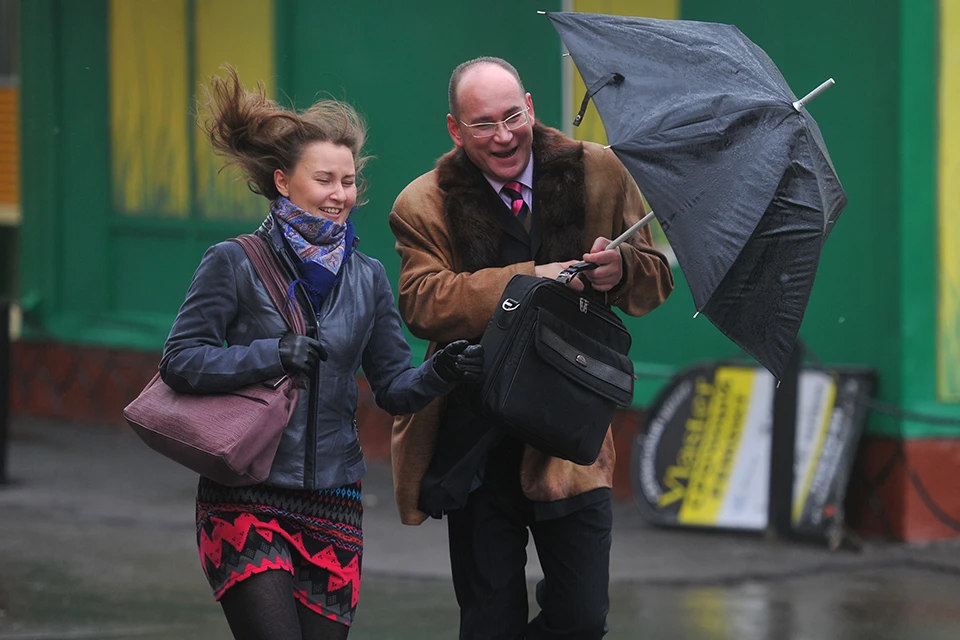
(283, 557)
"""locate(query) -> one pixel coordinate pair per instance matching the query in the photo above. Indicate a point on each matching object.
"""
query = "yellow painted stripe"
(149, 106)
(591, 128)
(948, 368)
(239, 32)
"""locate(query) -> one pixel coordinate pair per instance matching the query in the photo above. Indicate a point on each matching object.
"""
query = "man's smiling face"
(489, 93)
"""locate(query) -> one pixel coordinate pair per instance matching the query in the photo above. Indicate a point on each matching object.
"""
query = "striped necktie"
(514, 191)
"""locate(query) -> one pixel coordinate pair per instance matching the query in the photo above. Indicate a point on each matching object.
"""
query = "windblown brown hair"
(260, 136)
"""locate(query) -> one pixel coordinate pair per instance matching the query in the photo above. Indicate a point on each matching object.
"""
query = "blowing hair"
(463, 67)
(259, 136)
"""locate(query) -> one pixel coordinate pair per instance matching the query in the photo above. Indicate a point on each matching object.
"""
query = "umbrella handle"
(577, 268)
(644, 221)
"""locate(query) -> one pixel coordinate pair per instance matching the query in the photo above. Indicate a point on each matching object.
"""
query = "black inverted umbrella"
(733, 165)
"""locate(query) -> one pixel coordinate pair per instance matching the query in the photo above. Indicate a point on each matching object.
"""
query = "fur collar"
(558, 192)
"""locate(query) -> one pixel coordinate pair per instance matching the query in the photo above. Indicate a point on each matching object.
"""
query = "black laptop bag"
(556, 367)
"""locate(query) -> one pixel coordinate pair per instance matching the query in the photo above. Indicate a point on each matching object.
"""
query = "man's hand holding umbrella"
(602, 267)
(609, 269)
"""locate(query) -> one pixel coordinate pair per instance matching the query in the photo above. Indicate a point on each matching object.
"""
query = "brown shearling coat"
(448, 242)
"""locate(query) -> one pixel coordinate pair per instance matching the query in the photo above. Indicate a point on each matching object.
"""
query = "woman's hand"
(300, 354)
(459, 361)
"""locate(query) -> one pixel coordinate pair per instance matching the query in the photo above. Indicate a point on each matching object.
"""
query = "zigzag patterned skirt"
(316, 536)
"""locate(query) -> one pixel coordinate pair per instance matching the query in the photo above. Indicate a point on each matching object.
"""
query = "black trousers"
(488, 540)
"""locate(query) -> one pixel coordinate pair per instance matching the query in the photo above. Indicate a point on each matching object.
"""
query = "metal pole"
(783, 448)
(4, 385)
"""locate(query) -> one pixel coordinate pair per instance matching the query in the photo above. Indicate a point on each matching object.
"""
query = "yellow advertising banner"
(704, 460)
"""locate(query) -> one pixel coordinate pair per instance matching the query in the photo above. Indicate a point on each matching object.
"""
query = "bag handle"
(575, 270)
(265, 264)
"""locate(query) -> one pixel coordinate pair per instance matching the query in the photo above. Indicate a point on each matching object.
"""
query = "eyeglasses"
(487, 129)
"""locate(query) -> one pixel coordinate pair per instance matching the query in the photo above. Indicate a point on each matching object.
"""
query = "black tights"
(262, 607)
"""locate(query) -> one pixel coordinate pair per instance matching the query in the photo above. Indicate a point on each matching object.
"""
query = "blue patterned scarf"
(322, 245)
(314, 239)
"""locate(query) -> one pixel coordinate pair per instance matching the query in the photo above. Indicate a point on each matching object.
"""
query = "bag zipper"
(602, 316)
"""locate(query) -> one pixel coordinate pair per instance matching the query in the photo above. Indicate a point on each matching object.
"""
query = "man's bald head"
(463, 68)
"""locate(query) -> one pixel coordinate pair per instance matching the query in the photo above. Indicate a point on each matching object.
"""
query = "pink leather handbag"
(231, 437)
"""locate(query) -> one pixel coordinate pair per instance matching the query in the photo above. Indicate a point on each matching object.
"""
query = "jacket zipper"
(313, 408)
(313, 405)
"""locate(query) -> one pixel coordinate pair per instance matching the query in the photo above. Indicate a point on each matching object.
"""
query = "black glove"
(459, 361)
(299, 354)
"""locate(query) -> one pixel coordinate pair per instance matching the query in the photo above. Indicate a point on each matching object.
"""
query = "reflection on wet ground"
(98, 542)
(875, 604)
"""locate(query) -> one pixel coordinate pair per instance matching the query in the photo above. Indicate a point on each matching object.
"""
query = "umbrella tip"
(543, 13)
(802, 102)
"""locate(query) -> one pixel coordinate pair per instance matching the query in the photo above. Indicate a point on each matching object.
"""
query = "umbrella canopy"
(738, 177)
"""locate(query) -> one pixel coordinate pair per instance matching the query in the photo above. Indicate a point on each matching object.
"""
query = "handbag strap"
(265, 263)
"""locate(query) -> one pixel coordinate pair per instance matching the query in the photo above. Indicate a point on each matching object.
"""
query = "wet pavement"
(98, 542)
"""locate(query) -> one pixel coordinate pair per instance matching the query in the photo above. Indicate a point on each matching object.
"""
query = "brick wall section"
(885, 500)
(83, 384)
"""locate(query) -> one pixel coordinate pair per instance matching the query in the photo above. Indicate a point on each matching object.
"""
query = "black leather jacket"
(359, 326)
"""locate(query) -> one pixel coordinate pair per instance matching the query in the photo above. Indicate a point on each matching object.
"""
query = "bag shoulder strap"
(265, 264)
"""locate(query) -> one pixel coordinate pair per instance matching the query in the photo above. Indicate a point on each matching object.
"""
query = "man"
(514, 197)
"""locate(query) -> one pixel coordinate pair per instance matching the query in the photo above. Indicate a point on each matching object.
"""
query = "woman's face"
(323, 183)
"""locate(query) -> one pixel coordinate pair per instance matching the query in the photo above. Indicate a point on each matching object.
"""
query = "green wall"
(88, 275)
(917, 228)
